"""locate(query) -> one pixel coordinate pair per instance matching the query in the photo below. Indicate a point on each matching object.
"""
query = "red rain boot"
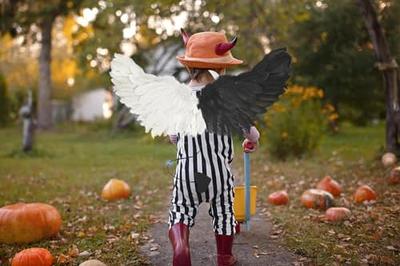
(237, 228)
(179, 236)
(224, 250)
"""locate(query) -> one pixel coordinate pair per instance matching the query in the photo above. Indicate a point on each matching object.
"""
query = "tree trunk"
(389, 68)
(44, 93)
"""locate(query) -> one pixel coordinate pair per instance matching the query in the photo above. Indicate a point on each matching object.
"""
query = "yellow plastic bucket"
(239, 202)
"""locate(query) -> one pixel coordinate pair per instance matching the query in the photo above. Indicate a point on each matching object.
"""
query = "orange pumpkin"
(336, 214)
(394, 177)
(278, 198)
(330, 185)
(389, 159)
(116, 189)
(364, 193)
(28, 222)
(317, 199)
(34, 257)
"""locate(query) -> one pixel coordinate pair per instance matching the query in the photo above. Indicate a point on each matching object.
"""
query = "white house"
(91, 105)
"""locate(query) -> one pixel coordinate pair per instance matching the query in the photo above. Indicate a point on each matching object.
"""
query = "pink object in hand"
(253, 135)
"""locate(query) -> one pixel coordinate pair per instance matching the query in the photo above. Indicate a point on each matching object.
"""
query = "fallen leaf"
(134, 235)
(63, 259)
(73, 251)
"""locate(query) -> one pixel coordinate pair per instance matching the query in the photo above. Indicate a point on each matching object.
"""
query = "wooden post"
(28, 126)
(389, 68)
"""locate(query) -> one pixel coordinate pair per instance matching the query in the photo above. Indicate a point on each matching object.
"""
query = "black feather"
(232, 103)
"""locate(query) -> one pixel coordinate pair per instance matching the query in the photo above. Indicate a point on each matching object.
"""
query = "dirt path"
(251, 248)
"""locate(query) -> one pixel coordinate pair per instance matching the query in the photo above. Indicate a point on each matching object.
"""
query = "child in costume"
(207, 153)
(199, 118)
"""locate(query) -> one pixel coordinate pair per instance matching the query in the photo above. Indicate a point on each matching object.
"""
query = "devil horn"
(224, 47)
(185, 36)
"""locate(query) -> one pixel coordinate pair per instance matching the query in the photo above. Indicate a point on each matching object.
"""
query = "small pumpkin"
(389, 159)
(116, 189)
(28, 222)
(364, 193)
(394, 177)
(317, 199)
(330, 185)
(278, 198)
(92, 263)
(33, 256)
(337, 214)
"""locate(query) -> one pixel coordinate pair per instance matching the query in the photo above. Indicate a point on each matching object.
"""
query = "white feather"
(163, 105)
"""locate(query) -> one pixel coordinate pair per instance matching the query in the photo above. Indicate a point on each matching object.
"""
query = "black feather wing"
(232, 103)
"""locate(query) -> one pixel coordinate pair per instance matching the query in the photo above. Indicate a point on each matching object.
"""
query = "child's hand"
(173, 138)
(249, 146)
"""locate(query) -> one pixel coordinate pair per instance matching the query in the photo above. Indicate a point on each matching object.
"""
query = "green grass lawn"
(72, 164)
(69, 170)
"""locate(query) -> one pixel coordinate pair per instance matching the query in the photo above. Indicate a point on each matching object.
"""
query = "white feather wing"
(163, 105)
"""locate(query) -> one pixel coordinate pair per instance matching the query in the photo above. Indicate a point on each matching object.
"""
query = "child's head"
(207, 51)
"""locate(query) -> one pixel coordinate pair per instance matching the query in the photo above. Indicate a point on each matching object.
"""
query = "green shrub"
(295, 125)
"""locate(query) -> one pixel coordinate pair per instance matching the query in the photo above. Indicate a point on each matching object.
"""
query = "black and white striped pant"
(210, 154)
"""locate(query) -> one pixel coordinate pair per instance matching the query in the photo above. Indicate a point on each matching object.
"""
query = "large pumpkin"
(33, 257)
(317, 199)
(28, 222)
(116, 189)
(364, 193)
(330, 185)
(278, 198)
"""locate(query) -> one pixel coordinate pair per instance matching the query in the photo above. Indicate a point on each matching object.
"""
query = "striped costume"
(210, 154)
(226, 104)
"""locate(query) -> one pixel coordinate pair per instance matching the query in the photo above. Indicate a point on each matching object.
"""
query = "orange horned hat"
(208, 50)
